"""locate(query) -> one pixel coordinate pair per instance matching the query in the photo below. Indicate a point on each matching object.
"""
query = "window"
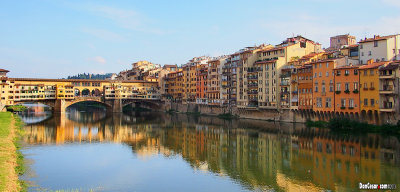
(315, 75)
(346, 72)
(316, 88)
(361, 46)
(320, 65)
(371, 72)
(346, 86)
(365, 102)
(375, 43)
(337, 86)
(331, 87)
(372, 85)
(319, 102)
(327, 74)
(369, 53)
(328, 102)
(327, 65)
(343, 102)
(355, 86)
(351, 102)
(362, 53)
(365, 86)
(355, 72)
(372, 102)
(320, 74)
(365, 72)
(323, 89)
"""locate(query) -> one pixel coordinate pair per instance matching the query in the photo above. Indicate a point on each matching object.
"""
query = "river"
(93, 151)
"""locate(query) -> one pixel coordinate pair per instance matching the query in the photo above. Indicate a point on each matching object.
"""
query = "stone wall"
(284, 115)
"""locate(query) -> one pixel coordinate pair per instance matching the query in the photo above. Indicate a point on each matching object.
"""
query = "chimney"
(370, 61)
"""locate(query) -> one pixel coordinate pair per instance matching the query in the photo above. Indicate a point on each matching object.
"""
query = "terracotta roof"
(390, 66)
(3, 70)
(348, 67)
(376, 38)
(373, 65)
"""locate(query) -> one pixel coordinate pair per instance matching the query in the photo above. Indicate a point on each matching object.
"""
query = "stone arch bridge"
(112, 105)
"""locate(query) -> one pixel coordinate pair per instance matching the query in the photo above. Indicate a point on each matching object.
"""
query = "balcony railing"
(252, 85)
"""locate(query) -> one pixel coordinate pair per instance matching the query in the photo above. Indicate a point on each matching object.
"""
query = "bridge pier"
(59, 106)
(117, 106)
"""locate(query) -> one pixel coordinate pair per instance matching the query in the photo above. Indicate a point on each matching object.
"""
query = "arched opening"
(96, 93)
(85, 92)
(77, 92)
(87, 106)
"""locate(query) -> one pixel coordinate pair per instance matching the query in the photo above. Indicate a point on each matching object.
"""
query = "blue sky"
(54, 38)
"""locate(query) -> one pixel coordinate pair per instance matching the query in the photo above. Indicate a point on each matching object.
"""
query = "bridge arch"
(88, 99)
(146, 103)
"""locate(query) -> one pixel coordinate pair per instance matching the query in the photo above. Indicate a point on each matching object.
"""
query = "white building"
(379, 48)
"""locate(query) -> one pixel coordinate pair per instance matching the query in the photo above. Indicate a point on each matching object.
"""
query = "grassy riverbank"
(11, 159)
(352, 126)
(16, 108)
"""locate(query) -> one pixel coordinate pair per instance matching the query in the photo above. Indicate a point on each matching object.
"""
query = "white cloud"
(320, 28)
(103, 34)
(99, 59)
(392, 2)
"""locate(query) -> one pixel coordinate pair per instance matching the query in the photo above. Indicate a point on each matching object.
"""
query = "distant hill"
(90, 76)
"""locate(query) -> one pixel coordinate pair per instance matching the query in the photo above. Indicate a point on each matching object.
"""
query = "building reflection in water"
(257, 154)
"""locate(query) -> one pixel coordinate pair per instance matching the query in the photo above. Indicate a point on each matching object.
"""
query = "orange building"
(347, 98)
(201, 84)
(324, 83)
(304, 75)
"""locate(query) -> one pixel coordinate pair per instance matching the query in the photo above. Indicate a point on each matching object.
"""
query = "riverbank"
(277, 115)
(11, 160)
(344, 125)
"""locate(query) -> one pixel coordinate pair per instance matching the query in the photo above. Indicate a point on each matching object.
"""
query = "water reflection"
(257, 154)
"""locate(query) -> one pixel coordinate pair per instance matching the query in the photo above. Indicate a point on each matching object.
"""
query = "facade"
(389, 88)
(305, 87)
(324, 82)
(379, 48)
(338, 41)
(201, 85)
(347, 96)
(369, 87)
(214, 80)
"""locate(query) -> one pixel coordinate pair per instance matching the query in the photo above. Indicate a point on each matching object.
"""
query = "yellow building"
(369, 87)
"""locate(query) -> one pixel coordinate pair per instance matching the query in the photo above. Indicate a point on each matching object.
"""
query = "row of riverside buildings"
(348, 77)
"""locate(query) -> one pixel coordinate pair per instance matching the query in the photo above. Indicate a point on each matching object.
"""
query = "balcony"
(387, 107)
(387, 89)
(386, 76)
(252, 85)
(252, 92)
(285, 83)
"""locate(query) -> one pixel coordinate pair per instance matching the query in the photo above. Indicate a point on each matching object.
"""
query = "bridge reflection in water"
(258, 155)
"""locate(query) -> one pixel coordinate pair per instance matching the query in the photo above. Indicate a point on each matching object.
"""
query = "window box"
(342, 107)
(355, 91)
(372, 88)
(346, 74)
(351, 107)
(337, 92)
(347, 91)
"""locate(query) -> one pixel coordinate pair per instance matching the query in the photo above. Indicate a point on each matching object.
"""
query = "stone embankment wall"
(283, 115)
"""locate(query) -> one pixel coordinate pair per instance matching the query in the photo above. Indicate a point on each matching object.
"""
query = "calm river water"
(92, 151)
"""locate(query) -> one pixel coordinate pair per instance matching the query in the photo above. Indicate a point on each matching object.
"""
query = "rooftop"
(373, 65)
(3, 70)
(376, 38)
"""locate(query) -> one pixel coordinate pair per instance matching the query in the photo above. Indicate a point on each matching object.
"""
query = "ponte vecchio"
(61, 93)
